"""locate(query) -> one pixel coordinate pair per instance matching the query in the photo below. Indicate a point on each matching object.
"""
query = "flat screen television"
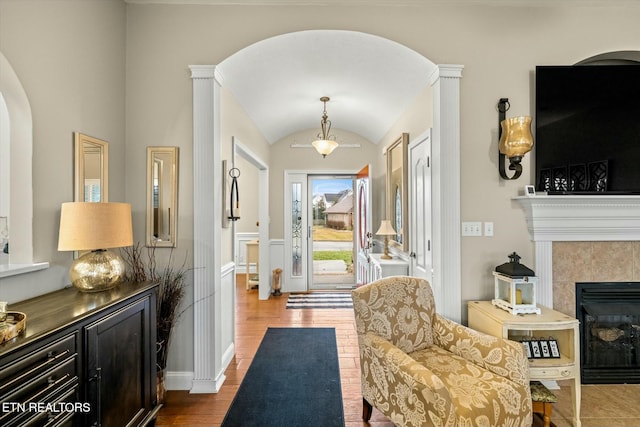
(588, 129)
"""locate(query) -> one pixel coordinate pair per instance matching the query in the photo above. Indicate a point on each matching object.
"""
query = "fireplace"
(609, 315)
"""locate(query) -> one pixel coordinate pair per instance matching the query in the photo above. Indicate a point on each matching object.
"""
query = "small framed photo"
(529, 190)
(553, 348)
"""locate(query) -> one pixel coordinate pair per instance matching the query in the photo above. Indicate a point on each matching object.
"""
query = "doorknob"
(412, 254)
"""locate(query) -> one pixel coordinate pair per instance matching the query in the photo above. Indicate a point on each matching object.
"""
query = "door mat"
(320, 300)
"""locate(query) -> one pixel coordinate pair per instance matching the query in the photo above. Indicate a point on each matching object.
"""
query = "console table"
(387, 267)
(84, 359)
(486, 317)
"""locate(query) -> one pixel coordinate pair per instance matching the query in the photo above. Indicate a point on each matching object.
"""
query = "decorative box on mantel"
(515, 287)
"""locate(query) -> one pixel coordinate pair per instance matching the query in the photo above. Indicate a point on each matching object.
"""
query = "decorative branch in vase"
(171, 290)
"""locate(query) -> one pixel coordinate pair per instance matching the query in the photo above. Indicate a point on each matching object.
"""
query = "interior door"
(363, 233)
(420, 254)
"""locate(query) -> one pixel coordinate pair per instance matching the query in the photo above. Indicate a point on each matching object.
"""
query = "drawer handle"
(51, 359)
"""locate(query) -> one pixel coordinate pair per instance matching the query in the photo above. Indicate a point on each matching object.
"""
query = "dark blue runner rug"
(294, 380)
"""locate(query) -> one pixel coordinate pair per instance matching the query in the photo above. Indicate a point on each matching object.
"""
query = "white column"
(446, 190)
(208, 373)
(544, 272)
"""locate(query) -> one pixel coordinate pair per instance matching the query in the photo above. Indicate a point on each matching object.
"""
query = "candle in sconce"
(3, 311)
(518, 296)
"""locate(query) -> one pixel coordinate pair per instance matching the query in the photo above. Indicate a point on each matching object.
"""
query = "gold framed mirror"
(397, 191)
(162, 196)
(91, 169)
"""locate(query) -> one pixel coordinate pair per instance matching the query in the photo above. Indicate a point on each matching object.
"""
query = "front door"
(421, 263)
(363, 226)
(331, 224)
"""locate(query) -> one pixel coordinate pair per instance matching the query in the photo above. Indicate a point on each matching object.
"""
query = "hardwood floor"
(602, 406)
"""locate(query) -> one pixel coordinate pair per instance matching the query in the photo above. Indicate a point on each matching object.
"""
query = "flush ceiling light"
(325, 143)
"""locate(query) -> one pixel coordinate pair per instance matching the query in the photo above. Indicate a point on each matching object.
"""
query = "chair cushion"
(478, 394)
(539, 393)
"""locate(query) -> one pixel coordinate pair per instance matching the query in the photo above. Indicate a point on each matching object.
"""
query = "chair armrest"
(501, 356)
(410, 391)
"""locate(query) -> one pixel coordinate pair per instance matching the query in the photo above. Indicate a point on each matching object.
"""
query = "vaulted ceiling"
(371, 81)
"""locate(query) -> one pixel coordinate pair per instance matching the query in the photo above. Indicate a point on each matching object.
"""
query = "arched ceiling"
(371, 81)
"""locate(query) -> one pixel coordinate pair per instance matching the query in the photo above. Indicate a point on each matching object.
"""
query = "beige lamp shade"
(386, 229)
(90, 226)
(516, 139)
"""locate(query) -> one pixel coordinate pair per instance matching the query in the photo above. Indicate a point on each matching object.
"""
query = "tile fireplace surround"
(582, 239)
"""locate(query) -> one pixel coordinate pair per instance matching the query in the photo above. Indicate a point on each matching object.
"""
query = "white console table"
(387, 267)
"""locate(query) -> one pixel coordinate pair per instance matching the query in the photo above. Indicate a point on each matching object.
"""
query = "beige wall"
(72, 57)
(284, 158)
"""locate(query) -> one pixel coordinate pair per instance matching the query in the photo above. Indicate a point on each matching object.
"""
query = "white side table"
(492, 320)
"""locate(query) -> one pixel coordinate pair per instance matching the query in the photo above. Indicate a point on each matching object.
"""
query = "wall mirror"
(162, 196)
(397, 191)
(91, 175)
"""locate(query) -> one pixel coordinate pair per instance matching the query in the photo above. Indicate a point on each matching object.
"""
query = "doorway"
(331, 222)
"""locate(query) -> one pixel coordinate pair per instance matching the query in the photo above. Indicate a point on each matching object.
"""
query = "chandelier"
(325, 143)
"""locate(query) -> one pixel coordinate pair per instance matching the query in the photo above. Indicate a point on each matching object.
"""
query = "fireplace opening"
(609, 315)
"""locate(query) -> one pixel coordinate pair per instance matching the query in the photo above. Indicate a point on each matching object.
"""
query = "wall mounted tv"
(588, 129)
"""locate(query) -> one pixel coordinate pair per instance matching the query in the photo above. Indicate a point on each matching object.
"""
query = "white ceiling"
(371, 81)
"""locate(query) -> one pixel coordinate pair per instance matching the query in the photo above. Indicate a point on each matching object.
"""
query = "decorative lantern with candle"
(515, 287)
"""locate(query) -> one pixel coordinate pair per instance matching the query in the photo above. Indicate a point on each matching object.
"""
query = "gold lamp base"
(386, 249)
(97, 271)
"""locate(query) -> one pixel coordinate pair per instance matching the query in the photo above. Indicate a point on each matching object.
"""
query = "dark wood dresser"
(85, 359)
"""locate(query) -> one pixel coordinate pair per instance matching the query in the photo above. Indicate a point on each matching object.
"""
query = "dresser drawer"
(36, 398)
(14, 372)
(555, 372)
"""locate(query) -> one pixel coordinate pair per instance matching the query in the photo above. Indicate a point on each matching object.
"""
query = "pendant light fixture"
(325, 143)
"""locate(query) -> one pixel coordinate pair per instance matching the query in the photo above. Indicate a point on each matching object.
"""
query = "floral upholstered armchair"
(420, 369)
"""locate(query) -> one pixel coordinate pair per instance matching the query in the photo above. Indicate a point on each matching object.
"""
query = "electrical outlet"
(473, 228)
(488, 229)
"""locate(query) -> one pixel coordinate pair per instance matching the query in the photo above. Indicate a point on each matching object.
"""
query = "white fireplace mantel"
(576, 218)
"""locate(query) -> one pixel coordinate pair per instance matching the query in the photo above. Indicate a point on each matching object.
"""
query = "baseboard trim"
(176, 380)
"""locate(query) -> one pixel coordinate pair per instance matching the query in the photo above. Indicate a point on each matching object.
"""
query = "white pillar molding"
(208, 374)
(445, 82)
(544, 272)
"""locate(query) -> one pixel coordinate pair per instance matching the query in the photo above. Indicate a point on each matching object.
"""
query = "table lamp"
(95, 227)
(386, 230)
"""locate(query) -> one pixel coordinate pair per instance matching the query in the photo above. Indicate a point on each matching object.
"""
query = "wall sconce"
(386, 230)
(515, 140)
(234, 200)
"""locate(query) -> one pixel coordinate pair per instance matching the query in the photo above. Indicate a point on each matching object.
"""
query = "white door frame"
(299, 283)
(264, 283)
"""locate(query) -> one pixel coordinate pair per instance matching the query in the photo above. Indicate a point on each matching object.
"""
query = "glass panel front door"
(331, 220)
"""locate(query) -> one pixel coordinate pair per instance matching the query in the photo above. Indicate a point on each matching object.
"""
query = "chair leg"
(367, 409)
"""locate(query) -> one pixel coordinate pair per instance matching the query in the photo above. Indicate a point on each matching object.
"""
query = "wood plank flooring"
(602, 406)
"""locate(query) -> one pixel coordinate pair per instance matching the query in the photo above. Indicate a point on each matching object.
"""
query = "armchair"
(420, 369)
